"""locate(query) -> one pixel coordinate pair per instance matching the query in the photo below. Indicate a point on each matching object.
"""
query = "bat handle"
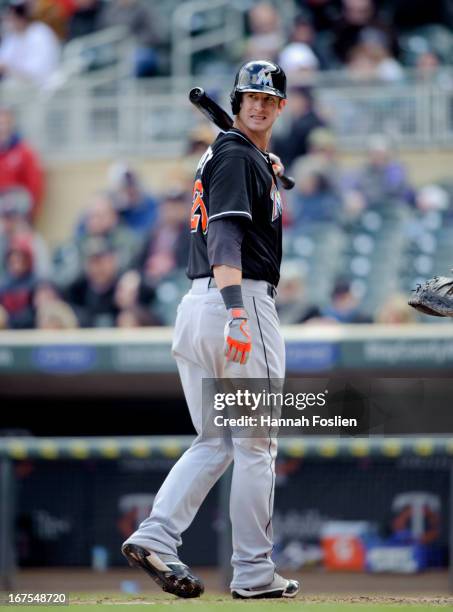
(287, 181)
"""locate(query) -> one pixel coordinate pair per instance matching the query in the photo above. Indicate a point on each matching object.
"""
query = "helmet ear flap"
(235, 102)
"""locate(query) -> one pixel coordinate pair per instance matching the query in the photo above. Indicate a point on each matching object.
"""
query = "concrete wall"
(70, 185)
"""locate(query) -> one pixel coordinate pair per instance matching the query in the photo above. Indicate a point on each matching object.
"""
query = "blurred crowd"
(365, 39)
(129, 241)
(34, 32)
(106, 274)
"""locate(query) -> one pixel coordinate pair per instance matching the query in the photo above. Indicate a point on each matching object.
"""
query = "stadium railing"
(201, 25)
(98, 116)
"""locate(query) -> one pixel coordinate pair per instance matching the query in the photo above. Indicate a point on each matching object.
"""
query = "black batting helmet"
(258, 75)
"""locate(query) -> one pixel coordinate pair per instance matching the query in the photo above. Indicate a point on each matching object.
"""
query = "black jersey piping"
(270, 437)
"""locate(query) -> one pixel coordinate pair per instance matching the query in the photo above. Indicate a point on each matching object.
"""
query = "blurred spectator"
(290, 300)
(383, 178)
(133, 298)
(292, 142)
(103, 220)
(127, 290)
(18, 282)
(199, 140)
(19, 164)
(322, 147)
(356, 16)
(92, 295)
(3, 318)
(266, 32)
(428, 68)
(86, 18)
(44, 293)
(432, 198)
(409, 14)
(136, 208)
(56, 315)
(135, 316)
(15, 206)
(29, 50)
(344, 306)
(324, 13)
(303, 32)
(54, 13)
(166, 248)
(433, 208)
(299, 63)
(395, 310)
(136, 16)
(370, 59)
(50, 311)
(313, 200)
(427, 65)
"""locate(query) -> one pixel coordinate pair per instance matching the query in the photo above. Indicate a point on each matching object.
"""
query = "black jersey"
(235, 179)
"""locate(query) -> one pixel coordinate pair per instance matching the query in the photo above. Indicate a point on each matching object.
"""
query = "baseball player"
(227, 327)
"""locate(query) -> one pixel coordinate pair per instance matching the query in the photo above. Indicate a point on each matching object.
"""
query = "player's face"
(260, 110)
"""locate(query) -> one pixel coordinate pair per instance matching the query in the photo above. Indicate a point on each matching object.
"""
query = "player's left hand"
(277, 164)
(238, 340)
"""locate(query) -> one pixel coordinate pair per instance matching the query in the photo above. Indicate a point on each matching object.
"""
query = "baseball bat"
(222, 120)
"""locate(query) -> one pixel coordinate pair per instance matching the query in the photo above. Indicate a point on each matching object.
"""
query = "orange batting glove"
(238, 340)
(277, 164)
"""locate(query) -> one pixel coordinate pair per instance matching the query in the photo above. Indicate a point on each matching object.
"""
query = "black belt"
(271, 290)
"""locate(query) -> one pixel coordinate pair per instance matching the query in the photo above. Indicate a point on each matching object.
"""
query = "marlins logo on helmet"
(264, 77)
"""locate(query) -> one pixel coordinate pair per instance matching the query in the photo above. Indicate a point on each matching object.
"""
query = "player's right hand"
(238, 340)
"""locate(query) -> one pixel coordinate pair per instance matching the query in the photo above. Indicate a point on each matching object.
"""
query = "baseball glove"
(434, 297)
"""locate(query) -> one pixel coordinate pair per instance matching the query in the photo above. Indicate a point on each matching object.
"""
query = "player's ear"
(281, 105)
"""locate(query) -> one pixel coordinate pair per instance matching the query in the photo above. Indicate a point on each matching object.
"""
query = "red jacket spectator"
(19, 164)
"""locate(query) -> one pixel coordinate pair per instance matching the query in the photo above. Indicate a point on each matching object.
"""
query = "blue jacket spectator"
(314, 199)
(136, 208)
(382, 178)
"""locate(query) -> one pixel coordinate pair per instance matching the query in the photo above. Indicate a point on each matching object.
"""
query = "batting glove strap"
(238, 340)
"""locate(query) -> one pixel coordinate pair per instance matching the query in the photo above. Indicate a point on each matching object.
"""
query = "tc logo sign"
(418, 513)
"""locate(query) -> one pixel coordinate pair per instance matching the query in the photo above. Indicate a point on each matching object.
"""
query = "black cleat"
(173, 577)
(279, 587)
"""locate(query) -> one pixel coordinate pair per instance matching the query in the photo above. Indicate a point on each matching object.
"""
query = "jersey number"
(199, 211)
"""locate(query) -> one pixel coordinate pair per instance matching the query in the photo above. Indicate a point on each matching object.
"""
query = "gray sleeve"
(225, 241)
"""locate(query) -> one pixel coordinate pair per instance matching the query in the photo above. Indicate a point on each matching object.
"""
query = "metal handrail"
(152, 117)
(184, 45)
(78, 54)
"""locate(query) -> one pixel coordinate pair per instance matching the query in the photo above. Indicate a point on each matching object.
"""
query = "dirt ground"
(317, 585)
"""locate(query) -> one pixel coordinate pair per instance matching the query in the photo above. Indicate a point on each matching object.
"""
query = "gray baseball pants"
(198, 350)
